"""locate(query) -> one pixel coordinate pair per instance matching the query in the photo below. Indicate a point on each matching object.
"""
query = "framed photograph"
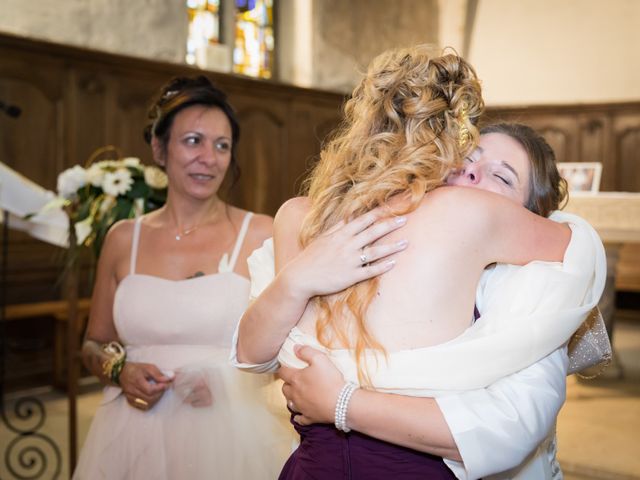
(581, 176)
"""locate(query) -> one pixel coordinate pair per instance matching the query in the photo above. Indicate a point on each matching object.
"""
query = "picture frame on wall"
(581, 177)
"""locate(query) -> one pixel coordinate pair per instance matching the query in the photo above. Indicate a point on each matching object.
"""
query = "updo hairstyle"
(410, 121)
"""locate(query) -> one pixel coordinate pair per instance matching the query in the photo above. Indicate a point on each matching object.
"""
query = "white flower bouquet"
(107, 191)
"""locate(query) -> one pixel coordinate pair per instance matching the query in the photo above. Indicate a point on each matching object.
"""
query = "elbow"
(245, 354)
(249, 357)
(452, 454)
(241, 353)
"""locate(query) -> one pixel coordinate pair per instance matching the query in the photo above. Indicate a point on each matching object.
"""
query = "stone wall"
(347, 35)
(153, 29)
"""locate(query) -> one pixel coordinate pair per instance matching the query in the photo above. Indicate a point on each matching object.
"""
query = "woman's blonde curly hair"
(409, 122)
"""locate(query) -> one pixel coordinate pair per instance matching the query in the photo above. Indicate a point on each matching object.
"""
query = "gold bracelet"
(112, 366)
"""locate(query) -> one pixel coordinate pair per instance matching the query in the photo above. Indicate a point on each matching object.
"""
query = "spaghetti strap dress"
(185, 328)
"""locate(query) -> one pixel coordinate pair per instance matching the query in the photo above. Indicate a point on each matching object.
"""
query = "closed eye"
(505, 180)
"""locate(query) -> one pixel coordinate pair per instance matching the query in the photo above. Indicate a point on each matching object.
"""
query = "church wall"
(153, 29)
(533, 52)
(529, 52)
(347, 35)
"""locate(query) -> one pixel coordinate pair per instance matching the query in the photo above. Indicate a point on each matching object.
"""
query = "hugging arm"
(332, 262)
(497, 428)
(478, 432)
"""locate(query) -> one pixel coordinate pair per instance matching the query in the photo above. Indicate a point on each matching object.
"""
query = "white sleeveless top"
(172, 323)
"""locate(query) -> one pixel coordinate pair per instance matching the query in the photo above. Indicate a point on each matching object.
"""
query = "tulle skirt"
(240, 435)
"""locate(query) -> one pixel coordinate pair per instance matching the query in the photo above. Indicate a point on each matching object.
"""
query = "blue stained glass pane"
(245, 5)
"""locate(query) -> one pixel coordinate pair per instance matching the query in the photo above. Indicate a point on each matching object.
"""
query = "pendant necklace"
(181, 234)
(186, 232)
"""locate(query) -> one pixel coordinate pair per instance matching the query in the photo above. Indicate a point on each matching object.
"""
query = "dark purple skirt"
(326, 453)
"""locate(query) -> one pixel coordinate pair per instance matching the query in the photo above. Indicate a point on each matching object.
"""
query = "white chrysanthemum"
(83, 230)
(131, 162)
(117, 183)
(71, 180)
(95, 175)
(155, 178)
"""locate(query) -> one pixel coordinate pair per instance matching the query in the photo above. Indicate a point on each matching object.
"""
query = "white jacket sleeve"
(261, 265)
(497, 427)
(267, 367)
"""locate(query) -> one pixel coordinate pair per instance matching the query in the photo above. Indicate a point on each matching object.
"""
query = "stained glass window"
(204, 28)
(253, 52)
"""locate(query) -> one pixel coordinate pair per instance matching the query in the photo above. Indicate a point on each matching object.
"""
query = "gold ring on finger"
(138, 402)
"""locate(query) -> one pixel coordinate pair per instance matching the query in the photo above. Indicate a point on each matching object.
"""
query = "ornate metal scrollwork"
(30, 454)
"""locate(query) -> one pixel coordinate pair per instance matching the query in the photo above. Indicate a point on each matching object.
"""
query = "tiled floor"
(598, 428)
(599, 425)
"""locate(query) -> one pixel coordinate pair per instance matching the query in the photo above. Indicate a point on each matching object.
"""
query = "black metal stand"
(31, 454)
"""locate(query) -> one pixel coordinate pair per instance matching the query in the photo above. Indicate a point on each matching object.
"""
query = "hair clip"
(463, 131)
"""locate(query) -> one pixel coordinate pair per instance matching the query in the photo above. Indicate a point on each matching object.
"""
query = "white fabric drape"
(21, 197)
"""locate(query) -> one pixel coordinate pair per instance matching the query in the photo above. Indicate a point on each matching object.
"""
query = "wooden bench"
(628, 268)
(59, 310)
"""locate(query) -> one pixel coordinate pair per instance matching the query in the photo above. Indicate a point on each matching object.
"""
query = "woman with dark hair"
(170, 287)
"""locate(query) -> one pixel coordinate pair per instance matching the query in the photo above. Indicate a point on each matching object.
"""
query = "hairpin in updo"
(463, 131)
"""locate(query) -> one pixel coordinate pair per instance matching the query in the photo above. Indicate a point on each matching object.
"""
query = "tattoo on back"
(197, 274)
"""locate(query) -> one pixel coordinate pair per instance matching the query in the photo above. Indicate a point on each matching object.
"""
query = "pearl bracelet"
(342, 404)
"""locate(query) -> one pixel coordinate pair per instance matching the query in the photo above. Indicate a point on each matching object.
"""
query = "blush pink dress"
(185, 327)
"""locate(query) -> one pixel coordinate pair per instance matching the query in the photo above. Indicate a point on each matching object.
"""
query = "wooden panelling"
(608, 133)
(626, 140)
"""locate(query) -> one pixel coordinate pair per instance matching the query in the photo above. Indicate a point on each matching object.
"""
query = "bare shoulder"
(286, 229)
(114, 256)
(455, 197)
(479, 207)
(507, 231)
(290, 216)
(293, 210)
(260, 228)
(459, 208)
(118, 238)
(262, 225)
